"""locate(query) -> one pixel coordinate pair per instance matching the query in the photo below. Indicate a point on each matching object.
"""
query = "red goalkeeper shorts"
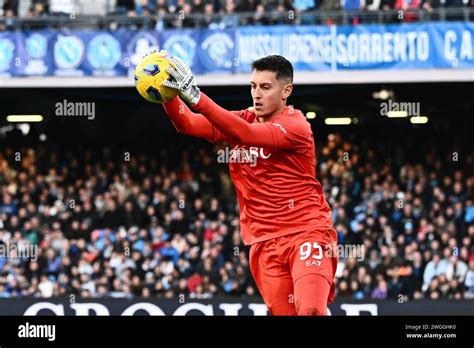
(295, 273)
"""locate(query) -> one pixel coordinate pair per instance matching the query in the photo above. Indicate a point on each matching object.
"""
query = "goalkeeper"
(284, 216)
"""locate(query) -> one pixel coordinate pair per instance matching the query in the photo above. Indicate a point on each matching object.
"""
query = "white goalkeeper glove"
(185, 82)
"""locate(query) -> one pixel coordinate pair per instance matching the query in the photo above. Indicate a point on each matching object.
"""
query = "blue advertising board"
(309, 48)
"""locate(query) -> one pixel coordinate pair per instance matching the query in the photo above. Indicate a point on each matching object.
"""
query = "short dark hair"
(275, 63)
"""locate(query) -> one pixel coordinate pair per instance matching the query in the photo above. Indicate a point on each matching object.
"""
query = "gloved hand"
(185, 82)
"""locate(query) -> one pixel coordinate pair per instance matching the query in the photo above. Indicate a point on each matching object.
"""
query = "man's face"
(269, 94)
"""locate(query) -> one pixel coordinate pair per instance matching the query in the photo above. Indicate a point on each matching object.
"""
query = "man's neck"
(262, 119)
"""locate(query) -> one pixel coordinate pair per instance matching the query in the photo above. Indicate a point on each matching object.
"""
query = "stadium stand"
(163, 14)
(166, 223)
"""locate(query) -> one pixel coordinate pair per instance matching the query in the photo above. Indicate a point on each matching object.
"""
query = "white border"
(301, 78)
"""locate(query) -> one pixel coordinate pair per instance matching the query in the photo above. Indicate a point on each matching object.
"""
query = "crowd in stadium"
(166, 224)
(229, 12)
(415, 219)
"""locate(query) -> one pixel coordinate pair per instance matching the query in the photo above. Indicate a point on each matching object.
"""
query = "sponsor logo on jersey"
(257, 152)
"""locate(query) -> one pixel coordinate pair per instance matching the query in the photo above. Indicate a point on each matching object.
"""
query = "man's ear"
(287, 89)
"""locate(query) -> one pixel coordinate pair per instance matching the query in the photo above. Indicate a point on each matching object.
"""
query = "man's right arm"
(187, 122)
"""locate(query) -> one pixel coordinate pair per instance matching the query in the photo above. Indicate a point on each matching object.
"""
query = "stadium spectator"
(330, 6)
(372, 5)
(209, 19)
(469, 281)
(381, 291)
(229, 18)
(352, 5)
(435, 268)
(10, 8)
(283, 14)
(123, 7)
(387, 6)
(456, 269)
(62, 7)
(429, 6)
(408, 9)
(198, 6)
(259, 16)
(184, 18)
(38, 8)
(145, 7)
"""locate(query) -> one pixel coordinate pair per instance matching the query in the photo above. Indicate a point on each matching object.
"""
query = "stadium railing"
(169, 21)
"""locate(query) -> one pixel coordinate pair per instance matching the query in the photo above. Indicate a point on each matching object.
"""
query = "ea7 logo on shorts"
(314, 250)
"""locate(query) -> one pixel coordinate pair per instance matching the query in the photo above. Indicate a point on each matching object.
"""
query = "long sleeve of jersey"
(236, 128)
(215, 123)
(187, 122)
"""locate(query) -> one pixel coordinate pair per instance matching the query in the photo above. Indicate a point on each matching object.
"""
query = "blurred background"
(119, 208)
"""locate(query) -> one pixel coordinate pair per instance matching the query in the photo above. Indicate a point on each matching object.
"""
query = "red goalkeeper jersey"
(276, 186)
(277, 189)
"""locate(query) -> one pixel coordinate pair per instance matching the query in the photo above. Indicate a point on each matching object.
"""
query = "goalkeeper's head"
(272, 84)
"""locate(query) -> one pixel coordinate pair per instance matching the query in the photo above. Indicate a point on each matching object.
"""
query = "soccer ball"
(149, 76)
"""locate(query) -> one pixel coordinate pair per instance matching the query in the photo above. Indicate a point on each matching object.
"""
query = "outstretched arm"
(234, 127)
(187, 122)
